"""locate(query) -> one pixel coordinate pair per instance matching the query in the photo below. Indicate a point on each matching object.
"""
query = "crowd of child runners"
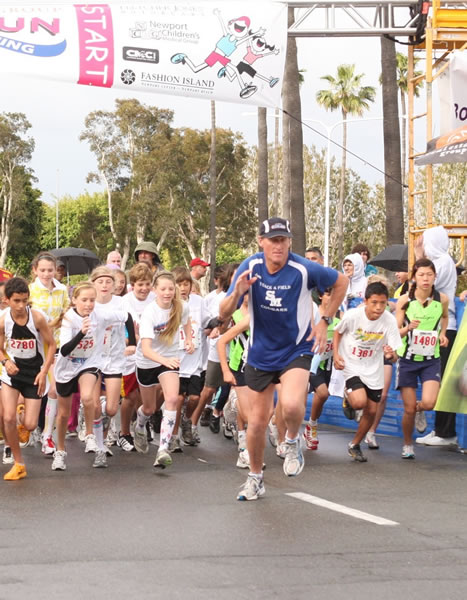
(275, 327)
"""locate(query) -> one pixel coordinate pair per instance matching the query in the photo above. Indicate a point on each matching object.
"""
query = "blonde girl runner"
(158, 362)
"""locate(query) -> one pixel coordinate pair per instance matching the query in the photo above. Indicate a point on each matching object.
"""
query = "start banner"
(230, 51)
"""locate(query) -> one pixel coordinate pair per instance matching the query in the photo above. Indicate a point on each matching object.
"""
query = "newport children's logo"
(368, 336)
(31, 26)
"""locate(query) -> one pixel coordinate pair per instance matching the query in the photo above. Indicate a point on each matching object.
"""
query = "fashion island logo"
(27, 27)
(177, 82)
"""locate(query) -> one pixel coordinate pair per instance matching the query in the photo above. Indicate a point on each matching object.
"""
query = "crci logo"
(146, 55)
(271, 298)
(128, 76)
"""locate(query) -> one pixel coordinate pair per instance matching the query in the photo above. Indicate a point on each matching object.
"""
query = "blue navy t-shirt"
(280, 308)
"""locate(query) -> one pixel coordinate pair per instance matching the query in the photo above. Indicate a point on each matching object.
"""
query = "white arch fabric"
(231, 51)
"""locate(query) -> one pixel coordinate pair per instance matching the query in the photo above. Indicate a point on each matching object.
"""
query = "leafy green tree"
(15, 152)
(346, 94)
(83, 223)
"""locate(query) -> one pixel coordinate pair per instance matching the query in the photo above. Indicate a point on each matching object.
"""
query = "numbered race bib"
(83, 350)
(195, 335)
(22, 348)
(423, 343)
(107, 341)
(327, 351)
(361, 352)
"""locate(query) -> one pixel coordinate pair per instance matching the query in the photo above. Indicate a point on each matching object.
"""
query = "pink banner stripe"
(96, 44)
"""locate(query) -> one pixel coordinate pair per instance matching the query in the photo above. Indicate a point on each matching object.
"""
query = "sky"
(57, 112)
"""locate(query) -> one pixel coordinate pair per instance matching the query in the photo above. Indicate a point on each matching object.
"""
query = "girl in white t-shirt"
(79, 362)
(158, 361)
(114, 355)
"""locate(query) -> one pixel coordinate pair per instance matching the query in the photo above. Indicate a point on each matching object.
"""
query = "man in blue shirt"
(279, 285)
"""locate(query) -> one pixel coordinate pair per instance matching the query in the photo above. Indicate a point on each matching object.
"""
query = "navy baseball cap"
(275, 227)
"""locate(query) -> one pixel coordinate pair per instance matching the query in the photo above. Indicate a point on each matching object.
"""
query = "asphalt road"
(131, 532)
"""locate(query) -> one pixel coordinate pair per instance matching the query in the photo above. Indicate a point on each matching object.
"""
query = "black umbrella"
(77, 261)
(393, 258)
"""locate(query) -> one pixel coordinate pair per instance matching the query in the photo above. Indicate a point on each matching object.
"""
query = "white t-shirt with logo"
(361, 345)
(153, 322)
(192, 364)
(135, 307)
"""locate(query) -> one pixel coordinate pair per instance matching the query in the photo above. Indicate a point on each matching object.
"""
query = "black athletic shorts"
(190, 386)
(258, 380)
(71, 387)
(150, 377)
(321, 377)
(355, 383)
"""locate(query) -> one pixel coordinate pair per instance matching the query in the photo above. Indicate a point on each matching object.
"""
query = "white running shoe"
(431, 439)
(7, 456)
(58, 463)
(48, 447)
(252, 489)
(243, 461)
(273, 434)
(174, 445)
(163, 459)
(100, 460)
(407, 452)
(294, 460)
(141, 440)
(370, 440)
(91, 443)
(420, 421)
(281, 450)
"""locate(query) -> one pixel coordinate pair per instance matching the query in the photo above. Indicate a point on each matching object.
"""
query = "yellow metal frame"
(446, 31)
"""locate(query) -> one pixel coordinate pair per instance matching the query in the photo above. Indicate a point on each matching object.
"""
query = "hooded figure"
(435, 247)
(357, 286)
(148, 247)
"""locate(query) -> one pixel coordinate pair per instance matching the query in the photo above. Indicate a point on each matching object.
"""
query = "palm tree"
(346, 94)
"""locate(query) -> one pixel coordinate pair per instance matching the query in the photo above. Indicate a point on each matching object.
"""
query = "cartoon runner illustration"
(258, 48)
(236, 32)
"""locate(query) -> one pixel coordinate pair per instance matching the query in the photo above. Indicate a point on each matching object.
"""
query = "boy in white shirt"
(365, 336)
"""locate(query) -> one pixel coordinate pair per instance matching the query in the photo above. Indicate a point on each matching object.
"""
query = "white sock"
(167, 426)
(314, 423)
(50, 414)
(141, 419)
(98, 431)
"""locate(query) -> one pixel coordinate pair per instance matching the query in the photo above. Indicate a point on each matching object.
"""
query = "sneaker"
(407, 452)
(420, 421)
(252, 489)
(187, 433)
(370, 440)
(178, 58)
(349, 412)
(355, 452)
(195, 432)
(281, 450)
(141, 441)
(273, 81)
(163, 459)
(126, 443)
(48, 447)
(243, 461)
(7, 456)
(91, 443)
(248, 91)
(273, 434)
(294, 460)
(71, 433)
(23, 435)
(431, 439)
(310, 435)
(112, 435)
(100, 460)
(215, 423)
(174, 445)
(206, 417)
(59, 463)
(228, 430)
(107, 450)
(16, 472)
(358, 415)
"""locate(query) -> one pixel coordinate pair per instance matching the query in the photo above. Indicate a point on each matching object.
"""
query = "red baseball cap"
(198, 261)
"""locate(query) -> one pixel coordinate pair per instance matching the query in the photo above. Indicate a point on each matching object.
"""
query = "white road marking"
(352, 512)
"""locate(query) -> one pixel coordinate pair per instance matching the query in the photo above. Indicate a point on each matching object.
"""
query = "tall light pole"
(56, 209)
